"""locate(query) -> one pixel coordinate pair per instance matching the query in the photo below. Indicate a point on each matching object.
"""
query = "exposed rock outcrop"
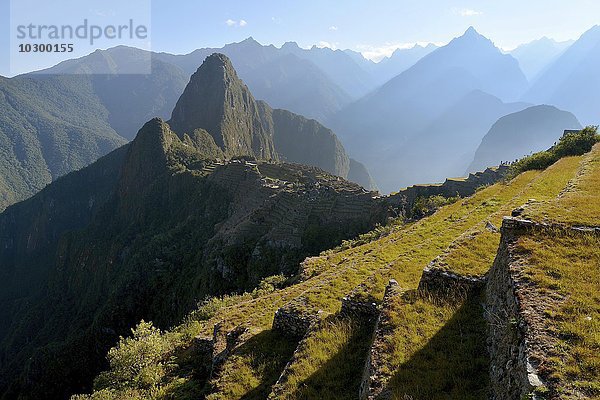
(216, 100)
(219, 103)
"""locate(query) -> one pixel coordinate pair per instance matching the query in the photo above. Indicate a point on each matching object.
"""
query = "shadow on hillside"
(269, 352)
(453, 364)
(340, 377)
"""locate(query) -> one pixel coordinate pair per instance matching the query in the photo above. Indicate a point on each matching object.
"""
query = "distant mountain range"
(384, 113)
(375, 128)
(102, 104)
(534, 57)
(572, 82)
(401, 60)
(446, 146)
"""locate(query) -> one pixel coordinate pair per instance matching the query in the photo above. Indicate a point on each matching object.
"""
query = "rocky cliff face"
(217, 101)
(305, 141)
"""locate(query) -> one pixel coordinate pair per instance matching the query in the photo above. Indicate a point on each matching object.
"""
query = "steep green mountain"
(410, 102)
(571, 82)
(157, 225)
(515, 135)
(280, 78)
(217, 101)
(49, 126)
(60, 120)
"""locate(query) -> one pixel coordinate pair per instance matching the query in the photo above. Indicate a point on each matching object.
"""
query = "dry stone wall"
(374, 383)
(405, 198)
(517, 337)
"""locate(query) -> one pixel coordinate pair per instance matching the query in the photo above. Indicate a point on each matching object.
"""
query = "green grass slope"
(422, 329)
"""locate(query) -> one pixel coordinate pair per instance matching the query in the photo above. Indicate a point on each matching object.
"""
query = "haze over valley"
(385, 214)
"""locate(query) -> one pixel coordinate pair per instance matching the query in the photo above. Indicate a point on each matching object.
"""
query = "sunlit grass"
(251, 371)
(400, 253)
(580, 203)
(329, 362)
(437, 350)
(569, 265)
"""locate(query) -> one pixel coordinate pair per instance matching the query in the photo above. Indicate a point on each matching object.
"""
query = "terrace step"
(373, 385)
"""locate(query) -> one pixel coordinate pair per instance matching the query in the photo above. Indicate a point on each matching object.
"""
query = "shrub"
(424, 206)
(137, 362)
(570, 144)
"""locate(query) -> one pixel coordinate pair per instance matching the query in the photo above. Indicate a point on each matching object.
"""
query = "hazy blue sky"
(374, 27)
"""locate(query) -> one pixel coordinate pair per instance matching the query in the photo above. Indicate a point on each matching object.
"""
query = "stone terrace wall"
(442, 283)
(292, 320)
(451, 187)
(509, 361)
(517, 334)
(374, 383)
(355, 305)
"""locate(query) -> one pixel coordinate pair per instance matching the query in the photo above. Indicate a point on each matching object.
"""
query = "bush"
(577, 143)
(424, 206)
(570, 144)
(137, 362)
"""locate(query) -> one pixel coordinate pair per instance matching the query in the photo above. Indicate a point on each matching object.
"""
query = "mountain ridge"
(385, 119)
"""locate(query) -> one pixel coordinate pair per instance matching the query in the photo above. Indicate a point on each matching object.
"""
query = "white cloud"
(323, 44)
(233, 23)
(378, 53)
(276, 20)
(333, 28)
(467, 12)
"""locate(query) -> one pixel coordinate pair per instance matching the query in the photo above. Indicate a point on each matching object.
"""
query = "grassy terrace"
(437, 350)
(325, 366)
(579, 204)
(473, 253)
(568, 265)
(400, 255)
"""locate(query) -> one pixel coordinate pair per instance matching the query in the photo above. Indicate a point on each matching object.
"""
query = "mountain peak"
(147, 155)
(472, 38)
(250, 40)
(290, 46)
(471, 32)
(216, 60)
(217, 101)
